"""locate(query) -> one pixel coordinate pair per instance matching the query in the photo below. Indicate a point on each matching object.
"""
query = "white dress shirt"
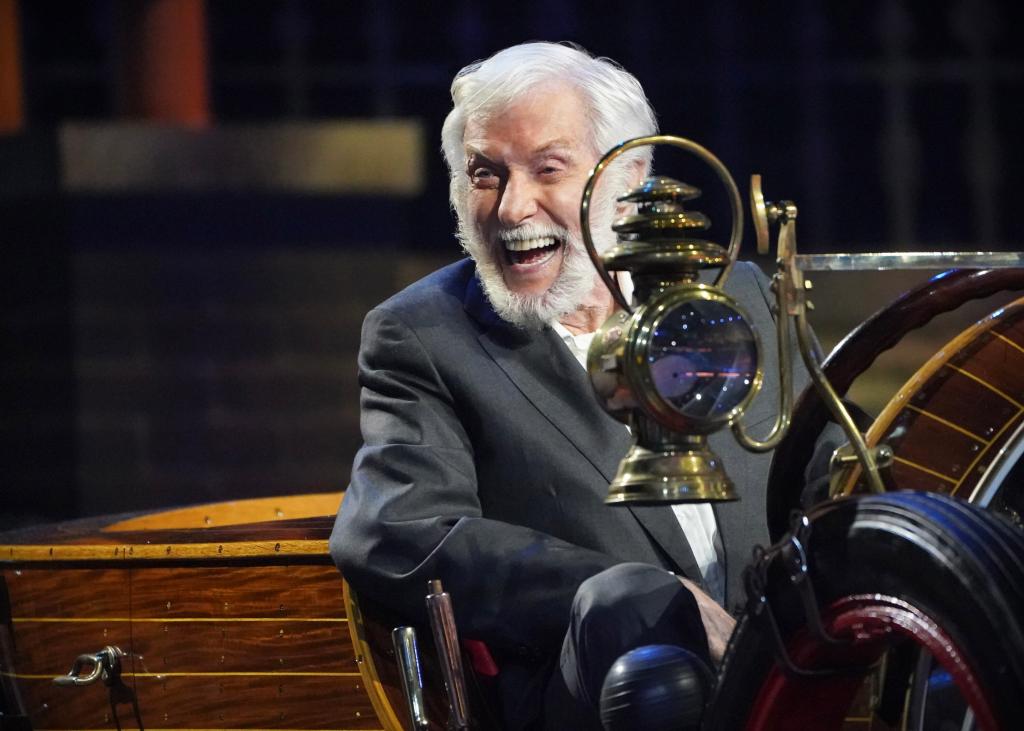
(697, 520)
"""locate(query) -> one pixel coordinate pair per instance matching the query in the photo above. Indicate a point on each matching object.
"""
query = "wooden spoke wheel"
(957, 426)
(890, 572)
(882, 331)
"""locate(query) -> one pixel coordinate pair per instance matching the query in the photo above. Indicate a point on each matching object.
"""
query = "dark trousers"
(615, 611)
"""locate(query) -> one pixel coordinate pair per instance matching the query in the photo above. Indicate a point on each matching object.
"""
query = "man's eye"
(484, 177)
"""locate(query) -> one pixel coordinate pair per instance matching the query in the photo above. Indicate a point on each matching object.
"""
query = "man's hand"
(718, 623)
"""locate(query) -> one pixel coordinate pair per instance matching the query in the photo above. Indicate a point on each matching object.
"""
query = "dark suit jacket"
(486, 462)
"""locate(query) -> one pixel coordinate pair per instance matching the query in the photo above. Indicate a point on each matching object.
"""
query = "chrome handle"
(446, 640)
(408, 657)
(105, 665)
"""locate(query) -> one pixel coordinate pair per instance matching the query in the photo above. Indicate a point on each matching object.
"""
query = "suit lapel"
(549, 377)
(662, 525)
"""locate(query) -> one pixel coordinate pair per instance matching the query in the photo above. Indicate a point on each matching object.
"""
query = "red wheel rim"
(873, 623)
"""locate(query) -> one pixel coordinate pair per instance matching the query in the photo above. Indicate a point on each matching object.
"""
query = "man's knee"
(623, 594)
(615, 611)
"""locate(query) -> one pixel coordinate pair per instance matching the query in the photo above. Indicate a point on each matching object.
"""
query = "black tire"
(960, 567)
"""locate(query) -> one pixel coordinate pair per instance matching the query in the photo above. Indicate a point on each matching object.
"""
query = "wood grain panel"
(55, 707)
(233, 646)
(51, 647)
(957, 398)
(92, 541)
(1011, 328)
(67, 593)
(225, 592)
(304, 702)
(230, 702)
(996, 360)
(911, 477)
(918, 434)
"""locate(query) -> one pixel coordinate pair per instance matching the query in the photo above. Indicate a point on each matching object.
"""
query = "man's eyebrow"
(473, 152)
(561, 146)
(555, 146)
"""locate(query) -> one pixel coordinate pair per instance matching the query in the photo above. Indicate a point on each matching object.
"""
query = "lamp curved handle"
(693, 148)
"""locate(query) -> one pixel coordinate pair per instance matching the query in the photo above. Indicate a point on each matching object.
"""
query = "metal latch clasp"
(104, 665)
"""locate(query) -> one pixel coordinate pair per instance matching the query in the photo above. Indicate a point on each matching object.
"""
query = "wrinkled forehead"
(553, 110)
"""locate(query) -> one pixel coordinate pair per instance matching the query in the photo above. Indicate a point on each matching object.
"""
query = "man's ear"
(634, 176)
(636, 173)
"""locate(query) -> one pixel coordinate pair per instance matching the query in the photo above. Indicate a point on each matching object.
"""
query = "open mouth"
(526, 252)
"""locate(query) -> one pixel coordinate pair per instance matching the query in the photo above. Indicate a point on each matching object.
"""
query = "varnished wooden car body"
(233, 616)
(230, 616)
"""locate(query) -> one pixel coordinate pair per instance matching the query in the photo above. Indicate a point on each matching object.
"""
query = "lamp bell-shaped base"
(690, 473)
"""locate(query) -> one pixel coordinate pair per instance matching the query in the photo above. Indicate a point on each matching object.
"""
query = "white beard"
(575, 281)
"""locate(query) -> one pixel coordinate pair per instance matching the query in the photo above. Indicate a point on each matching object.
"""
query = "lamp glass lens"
(703, 359)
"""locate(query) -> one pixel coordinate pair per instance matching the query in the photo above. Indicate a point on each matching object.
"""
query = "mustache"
(532, 231)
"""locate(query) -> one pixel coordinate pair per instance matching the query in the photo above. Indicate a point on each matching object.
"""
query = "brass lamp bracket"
(791, 288)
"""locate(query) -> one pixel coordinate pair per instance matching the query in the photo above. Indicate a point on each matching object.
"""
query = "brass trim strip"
(987, 385)
(137, 620)
(378, 695)
(245, 674)
(175, 551)
(250, 673)
(982, 453)
(922, 468)
(235, 512)
(1009, 342)
(225, 729)
(950, 424)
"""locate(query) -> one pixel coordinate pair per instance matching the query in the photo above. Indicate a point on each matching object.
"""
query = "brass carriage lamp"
(682, 360)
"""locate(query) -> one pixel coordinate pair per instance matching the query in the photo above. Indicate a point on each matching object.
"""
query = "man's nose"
(518, 201)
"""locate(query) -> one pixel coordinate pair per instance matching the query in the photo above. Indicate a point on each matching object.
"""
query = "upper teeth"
(527, 244)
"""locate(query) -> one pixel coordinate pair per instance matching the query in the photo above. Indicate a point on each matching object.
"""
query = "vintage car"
(232, 615)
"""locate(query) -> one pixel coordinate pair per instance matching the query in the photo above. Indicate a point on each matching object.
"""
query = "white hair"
(616, 109)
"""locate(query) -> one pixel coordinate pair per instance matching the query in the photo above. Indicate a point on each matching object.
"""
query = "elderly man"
(486, 458)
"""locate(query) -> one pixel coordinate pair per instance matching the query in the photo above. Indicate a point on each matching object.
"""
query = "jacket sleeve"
(412, 511)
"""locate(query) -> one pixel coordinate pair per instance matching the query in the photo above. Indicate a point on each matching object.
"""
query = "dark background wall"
(170, 340)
